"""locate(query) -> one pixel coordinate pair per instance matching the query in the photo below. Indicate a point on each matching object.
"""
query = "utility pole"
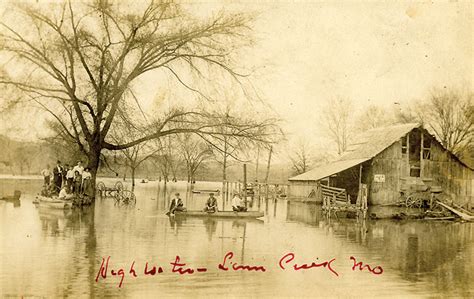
(245, 184)
(268, 171)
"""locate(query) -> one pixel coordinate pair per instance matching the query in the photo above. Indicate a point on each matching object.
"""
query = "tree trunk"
(256, 167)
(133, 178)
(268, 165)
(93, 164)
(224, 168)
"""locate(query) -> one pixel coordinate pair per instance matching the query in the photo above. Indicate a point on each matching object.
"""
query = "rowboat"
(54, 203)
(221, 214)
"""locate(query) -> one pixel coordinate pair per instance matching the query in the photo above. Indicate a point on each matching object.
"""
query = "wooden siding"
(442, 169)
(302, 189)
(392, 164)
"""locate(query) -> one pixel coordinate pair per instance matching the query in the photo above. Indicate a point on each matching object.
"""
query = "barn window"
(426, 147)
(404, 144)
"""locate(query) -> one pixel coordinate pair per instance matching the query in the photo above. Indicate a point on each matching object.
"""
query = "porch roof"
(327, 170)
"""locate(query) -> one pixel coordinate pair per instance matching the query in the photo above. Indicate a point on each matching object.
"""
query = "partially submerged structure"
(391, 163)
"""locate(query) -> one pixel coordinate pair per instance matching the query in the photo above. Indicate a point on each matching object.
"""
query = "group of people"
(67, 181)
(238, 205)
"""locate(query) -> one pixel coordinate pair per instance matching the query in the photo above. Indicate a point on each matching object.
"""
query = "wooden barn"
(391, 163)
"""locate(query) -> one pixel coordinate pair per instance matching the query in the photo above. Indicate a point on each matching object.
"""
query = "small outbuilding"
(392, 162)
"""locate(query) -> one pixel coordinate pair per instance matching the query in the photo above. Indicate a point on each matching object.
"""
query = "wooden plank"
(329, 192)
(342, 198)
(463, 216)
(439, 218)
(332, 188)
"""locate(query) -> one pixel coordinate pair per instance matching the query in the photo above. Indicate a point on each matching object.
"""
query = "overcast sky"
(370, 52)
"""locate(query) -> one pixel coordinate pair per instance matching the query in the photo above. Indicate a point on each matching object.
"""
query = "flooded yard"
(55, 253)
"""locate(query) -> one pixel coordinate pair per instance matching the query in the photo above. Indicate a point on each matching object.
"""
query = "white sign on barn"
(379, 178)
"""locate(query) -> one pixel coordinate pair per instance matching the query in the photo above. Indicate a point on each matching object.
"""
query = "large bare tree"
(301, 157)
(450, 115)
(234, 142)
(373, 117)
(194, 152)
(78, 61)
(127, 130)
(337, 119)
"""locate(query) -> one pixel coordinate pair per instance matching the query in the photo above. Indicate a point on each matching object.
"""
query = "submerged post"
(223, 195)
(227, 191)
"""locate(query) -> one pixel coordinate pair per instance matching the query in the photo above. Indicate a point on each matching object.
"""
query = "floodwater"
(55, 253)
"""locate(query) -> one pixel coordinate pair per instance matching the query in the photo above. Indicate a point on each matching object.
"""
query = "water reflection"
(439, 254)
(420, 258)
(15, 202)
(176, 223)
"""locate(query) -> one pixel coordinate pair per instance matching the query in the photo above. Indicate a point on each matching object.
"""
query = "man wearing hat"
(211, 204)
(176, 205)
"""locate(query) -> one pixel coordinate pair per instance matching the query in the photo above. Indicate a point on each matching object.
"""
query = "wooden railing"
(334, 195)
(336, 199)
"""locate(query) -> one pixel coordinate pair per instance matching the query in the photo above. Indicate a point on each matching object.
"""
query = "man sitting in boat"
(237, 204)
(64, 194)
(176, 205)
(49, 190)
(211, 204)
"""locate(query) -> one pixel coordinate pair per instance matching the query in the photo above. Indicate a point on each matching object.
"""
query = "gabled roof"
(372, 142)
(367, 145)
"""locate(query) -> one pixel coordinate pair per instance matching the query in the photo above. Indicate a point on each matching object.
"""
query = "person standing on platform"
(46, 173)
(58, 176)
(78, 167)
(70, 177)
(86, 182)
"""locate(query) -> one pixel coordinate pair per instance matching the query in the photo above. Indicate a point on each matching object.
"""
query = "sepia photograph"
(236, 149)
